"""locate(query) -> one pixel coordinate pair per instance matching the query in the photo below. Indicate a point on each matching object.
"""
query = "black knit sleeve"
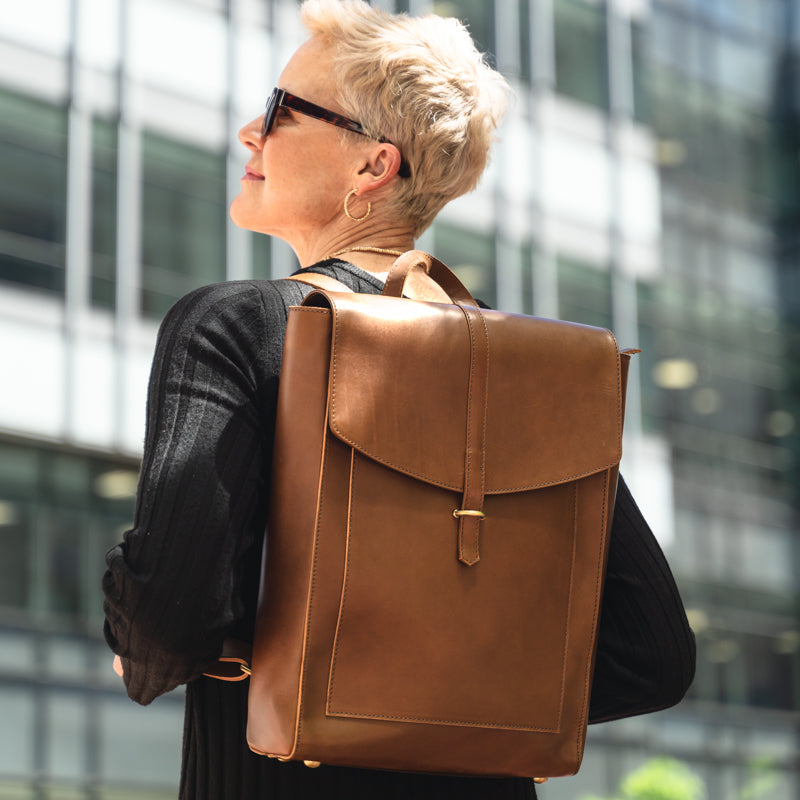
(646, 649)
(173, 586)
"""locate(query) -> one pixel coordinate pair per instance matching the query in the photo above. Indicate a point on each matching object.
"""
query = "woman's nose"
(250, 134)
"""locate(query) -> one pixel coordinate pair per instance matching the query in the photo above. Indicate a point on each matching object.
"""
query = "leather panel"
(430, 630)
(288, 560)
(553, 408)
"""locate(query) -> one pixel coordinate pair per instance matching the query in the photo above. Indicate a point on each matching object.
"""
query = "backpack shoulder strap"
(321, 282)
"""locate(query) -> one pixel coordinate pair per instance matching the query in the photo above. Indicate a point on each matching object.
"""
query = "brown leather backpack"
(443, 485)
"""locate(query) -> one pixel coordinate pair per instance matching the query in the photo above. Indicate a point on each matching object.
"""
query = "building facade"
(647, 179)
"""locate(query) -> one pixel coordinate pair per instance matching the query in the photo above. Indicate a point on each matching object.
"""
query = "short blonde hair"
(420, 83)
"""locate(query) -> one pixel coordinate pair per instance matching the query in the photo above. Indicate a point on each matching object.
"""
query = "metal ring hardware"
(465, 512)
(245, 669)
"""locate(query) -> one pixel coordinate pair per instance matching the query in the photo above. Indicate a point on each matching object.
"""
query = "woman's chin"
(239, 215)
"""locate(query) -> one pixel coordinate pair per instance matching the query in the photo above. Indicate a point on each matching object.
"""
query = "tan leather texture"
(392, 634)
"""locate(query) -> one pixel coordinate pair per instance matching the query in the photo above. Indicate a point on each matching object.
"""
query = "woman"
(348, 197)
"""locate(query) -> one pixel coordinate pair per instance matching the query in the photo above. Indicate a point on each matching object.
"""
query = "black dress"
(186, 575)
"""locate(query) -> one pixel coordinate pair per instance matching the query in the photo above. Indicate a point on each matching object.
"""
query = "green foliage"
(670, 779)
(660, 779)
(663, 779)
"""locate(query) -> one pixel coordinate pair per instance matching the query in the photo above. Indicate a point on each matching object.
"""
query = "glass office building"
(647, 179)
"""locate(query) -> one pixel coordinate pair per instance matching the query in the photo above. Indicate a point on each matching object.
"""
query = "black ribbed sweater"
(186, 575)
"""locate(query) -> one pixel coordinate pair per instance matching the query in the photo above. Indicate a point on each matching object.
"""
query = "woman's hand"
(118, 666)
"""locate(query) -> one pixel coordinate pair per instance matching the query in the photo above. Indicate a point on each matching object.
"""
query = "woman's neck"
(372, 245)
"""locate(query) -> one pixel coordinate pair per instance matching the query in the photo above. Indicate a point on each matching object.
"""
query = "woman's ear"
(380, 166)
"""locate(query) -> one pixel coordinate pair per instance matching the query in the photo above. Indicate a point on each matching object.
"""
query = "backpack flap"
(399, 393)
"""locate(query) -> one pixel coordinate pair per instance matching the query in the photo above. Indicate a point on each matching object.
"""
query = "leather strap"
(234, 661)
(435, 269)
(470, 515)
(442, 284)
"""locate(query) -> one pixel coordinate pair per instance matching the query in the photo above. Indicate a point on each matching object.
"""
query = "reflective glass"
(104, 213)
(640, 58)
(66, 728)
(17, 715)
(183, 221)
(581, 52)
(33, 148)
(749, 16)
(478, 15)
(746, 69)
(262, 257)
(584, 293)
(64, 577)
(471, 256)
(15, 554)
(141, 746)
(59, 513)
(19, 469)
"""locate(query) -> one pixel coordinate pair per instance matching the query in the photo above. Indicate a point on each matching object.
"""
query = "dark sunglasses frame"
(280, 97)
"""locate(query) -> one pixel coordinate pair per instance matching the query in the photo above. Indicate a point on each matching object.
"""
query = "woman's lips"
(251, 175)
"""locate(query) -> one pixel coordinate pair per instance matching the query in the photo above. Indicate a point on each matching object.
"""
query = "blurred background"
(647, 179)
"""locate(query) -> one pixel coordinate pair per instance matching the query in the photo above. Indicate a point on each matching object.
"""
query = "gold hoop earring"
(347, 210)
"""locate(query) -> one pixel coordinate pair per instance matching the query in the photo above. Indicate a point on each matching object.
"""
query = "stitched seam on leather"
(456, 722)
(455, 487)
(343, 436)
(598, 579)
(473, 525)
(311, 310)
(619, 389)
(345, 583)
(343, 712)
(569, 602)
(483, 432)
(466, 522)
(443, 484)
(311, 591)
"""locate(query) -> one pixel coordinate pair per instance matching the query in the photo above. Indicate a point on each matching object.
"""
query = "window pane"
(471, 256)
(16, 730)
(14, 556)
(581, 55)
(63, 576)
(104, 213)
(65, 735)
(262, 257)
(477, 15)
(183, 221)
(141, 746)
(19, 467)
(584, 294)
(640, 51)
(33, 178)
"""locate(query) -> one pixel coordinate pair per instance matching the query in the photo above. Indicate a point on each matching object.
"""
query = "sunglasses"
(281, 98)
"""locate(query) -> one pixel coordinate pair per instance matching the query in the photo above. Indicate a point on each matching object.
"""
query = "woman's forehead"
(308, 73)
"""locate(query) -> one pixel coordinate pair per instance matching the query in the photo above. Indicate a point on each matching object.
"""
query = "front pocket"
(423, 638)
